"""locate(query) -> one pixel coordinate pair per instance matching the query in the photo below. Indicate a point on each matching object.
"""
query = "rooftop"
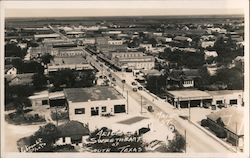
(186, 94)
(69, 60)
(92, 94)
(224, 92)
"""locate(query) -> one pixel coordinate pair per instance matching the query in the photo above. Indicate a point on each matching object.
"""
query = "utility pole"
(56, 117)
(236, 141)
(141, 104)
(127, 101)
(185, 141)
(189, 110)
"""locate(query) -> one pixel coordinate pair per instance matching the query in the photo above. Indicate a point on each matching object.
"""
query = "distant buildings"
(133, 60)
(20, 79)
(71, 62)
(206, 44)
(147, 46)
(67, 52)
(208, 54)
(83, 103)
(182, 39)
(42, 36)
(184, 78)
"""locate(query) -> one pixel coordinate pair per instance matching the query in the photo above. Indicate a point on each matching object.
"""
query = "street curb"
(212, 136)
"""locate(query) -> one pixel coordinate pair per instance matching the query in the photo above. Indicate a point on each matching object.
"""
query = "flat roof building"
(84, 103)
(73, 63)
(188, 98)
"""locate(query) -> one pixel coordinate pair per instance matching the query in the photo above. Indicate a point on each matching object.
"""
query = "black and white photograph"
(125, 78)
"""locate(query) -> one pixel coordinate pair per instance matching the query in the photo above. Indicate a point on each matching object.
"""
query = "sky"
(122, 8)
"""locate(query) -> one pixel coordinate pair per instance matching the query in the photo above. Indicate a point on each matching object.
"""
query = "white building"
(205, 44)
(132, 60)
(73, 63)
(73, 133)
(208, 54)
(42, 99)
(115, 42)
(54, 35)
(146, 46)
(10, 70)
(86, 41)
(84, 103)
(227, 97)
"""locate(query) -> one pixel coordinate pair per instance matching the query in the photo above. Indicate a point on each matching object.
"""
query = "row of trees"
(225, 78)
(72, 78)
(182, 58)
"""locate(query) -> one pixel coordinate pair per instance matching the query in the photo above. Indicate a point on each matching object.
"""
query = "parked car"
(207, 105)
(110, 75)
(150, 108)
(221, 106)
(213, 107)
(123, 81)
(113, 79)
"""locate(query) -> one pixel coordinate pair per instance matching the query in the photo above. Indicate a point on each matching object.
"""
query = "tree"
(20, 103)
(39, 81)
(72, 78)
(165, 54)
(12, 50)
(46, 58)
(135, 43)
(177, 144)
(156, 84)
(152, 41)
(233, 78)
(48, 133)
(32, 67)
(63, 78)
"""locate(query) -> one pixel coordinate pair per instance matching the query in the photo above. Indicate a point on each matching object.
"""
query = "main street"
(197, 140)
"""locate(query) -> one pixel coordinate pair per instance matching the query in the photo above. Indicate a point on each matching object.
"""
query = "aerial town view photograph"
(117, 82)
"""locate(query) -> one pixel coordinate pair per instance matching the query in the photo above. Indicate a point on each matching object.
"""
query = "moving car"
(135, 89)
(134, 83)
(140, 88)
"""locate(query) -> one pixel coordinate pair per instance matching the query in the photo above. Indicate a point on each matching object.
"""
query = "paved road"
(197, 140)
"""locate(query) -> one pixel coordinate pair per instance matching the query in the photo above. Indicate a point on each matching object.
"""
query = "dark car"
(207, 105)
(113, 79)
(140, 88)
(123, 81)
(213, 107)
(110, 75)
(134, 83)
(150, 108)
(135, 89)
(221, 106)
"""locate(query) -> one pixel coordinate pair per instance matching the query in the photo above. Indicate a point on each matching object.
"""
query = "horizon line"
(103, 16)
